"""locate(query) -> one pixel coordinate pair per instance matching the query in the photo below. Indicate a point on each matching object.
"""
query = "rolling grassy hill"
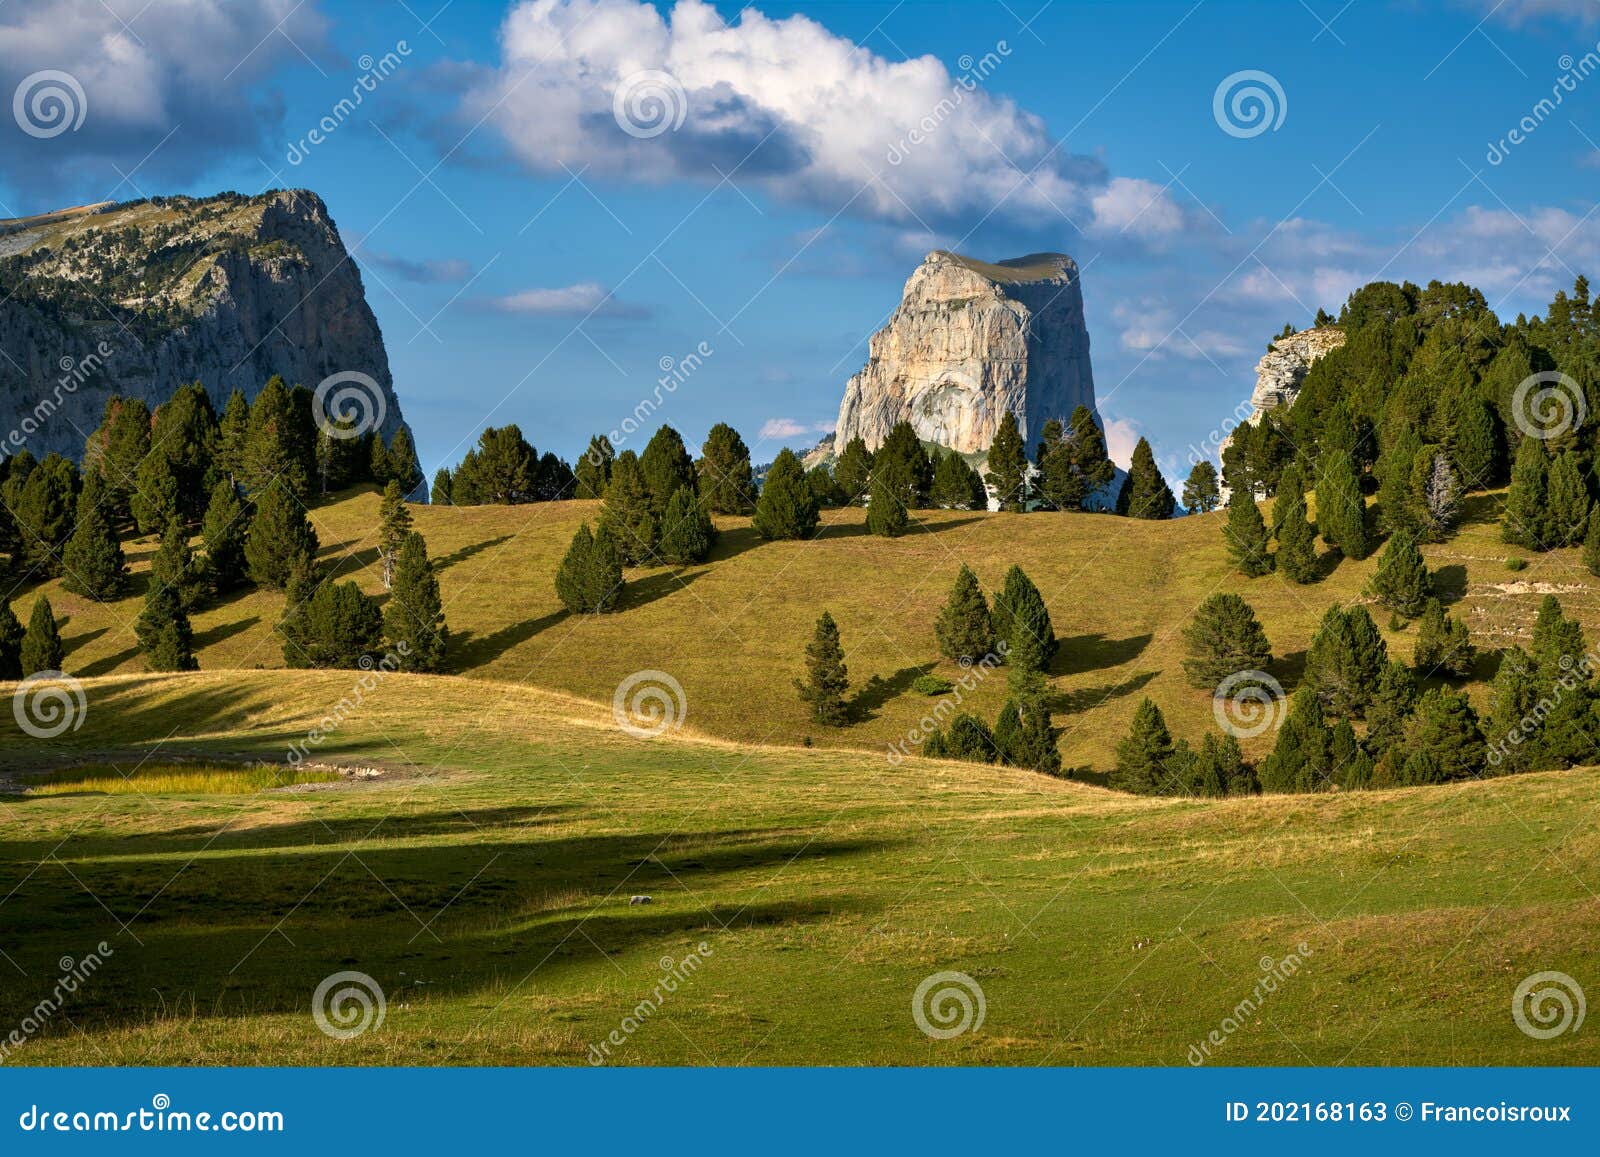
(733, 631)
(483, 881)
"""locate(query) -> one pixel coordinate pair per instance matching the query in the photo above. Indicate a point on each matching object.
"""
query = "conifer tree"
(413, 619)
(41, 644)
(1591, 545)
(1200, 491)
(1397, 512)
(1475, 443)
(92, 562)
(627, 511)
(1341, 509)
(1007, 735)
(964, 629)
(1057, 482)
(827, 678)
(827, 493)
(155, 497)
(116, 449)
(403, 467)
(903, 443)
(1401, 582)
(232, 434)
(1090, 461)
(224, 530)
(280, 442)
(1443, 741)
(853, 471)
(1436, 494)
(1008, 465)
(893, 493)
(163, 629)
(593, 471)
(304, 577)
(589, 579)
(1145, 493)
(11, 634)
(1224, 638)
(502, 470)
(1143, 755)
(956, 485)
(443, 484)
(1512, 722)
(1346, 660)
(44, 506)
(687, 533)
(341, 625)
(786, 507)
(174, 566)
(1296, 559)
(1035, 746)
(1523, 523)
(280, 535)
(667, 468)
(1246, 535)
(1302, 760)
(394, 523)
(183, 441)
(1444, 645)
(726, 481)
(1391, 706)
(1022, 622)
(969, 738)
(1567, 503)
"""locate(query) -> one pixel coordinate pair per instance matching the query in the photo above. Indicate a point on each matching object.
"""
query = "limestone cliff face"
(1280, 372)
(969, 341)
(141, 298)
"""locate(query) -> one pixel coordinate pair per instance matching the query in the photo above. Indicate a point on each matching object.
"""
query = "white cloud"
(1122, 435)
(792, 107)
(781, 428)
(585, 299)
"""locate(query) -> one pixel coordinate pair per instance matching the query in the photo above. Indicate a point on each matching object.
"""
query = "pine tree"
(1142, 757)
(232, 434)
(174, 566)
(155, 498)
(1591, 545)
(183, 441)
(970, 739)
(1056, 481)
(280, 442)
(1296, 559)
(1145, 493)
(964, 629)
(1443, 644)
(903, 443)
(627, 511)
(1246, 535)
(280, 534)
(1390, 708)
(853, 471)
(1341, 509)
(44, 507)
(394, 523)
(820, 479)
(1224, 638)
(340, 625)
(413, 620)
(687, 531)
(443, 484)
(1443, 741)
(893, 493)
(1090, 461)
(1345, 662)
(1475, 443)
(786, 507)
(1401, 582)
(827, 679)
(1008, 465)
(1435, 493)
(116, 449)
(41, 645)
(1523, 523)
(1512, 722)
(1302, 760)
(667, 468)
(92, 562)
(1035, 745)
(953, 485)
(11, 634)
(589, 579)
(1397, 513)
(163, 629)
(501, 470)
(1200, 491)
(224, 530)
(1022, 622)
(1007, 734)
(402, 461)
(1567, 504)
(726, 481)
(593, 472)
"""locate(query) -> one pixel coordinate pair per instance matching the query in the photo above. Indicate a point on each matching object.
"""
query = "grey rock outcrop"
(969, 341)
(140, 298)
(1284, 366)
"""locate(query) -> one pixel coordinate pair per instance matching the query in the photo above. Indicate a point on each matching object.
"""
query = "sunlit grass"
(176, 779)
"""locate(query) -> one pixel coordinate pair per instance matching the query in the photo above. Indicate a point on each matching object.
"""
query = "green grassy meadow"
(483, 876)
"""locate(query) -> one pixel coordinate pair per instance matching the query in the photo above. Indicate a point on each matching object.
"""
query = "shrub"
(932, 685)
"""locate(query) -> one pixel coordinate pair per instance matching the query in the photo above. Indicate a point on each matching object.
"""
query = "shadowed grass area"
(175, 779)
(484, 881)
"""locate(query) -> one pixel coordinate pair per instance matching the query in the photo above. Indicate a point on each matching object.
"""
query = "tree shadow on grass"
(1450, 583)
(70, 643)
(223, 631)
(466, 552)
(469, 650)
(877, 691)
(1088, 698)
(1094, 652)
(642, 592)
(108, 664)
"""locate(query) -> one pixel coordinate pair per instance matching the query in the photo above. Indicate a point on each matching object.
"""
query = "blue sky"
(532, 261)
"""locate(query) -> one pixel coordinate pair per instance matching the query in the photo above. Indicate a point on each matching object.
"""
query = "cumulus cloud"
(161, 88)
(781, 428)
(445, 270)
(1122, 435)
(585, 299)
(786, 104)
